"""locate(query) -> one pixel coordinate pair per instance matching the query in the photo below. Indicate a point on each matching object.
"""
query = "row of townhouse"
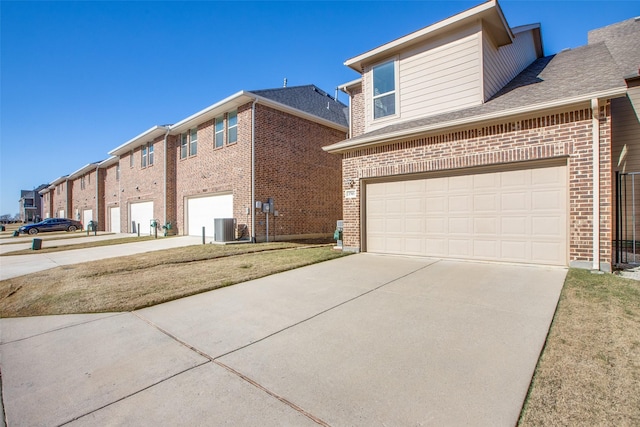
(463, 140)
(226, 161)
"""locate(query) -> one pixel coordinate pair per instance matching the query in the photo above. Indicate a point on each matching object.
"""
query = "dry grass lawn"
(132, 282)
(589, 371)
(97, 243)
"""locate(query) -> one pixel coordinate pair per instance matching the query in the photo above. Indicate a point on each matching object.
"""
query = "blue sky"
(80, 78)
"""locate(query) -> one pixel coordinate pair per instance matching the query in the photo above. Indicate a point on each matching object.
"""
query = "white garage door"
(87, 215)
(201, 211)
(114, 216)
(518, 216)
(141, 215)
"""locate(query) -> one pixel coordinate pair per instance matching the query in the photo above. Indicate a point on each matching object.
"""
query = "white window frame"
(232, 127)
(193, 142)
(393, 92)
(150, 154)
(184, 149)
(143, 156)
(216, 132)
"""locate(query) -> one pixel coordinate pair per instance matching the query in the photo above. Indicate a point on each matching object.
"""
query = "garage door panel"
(202, 212)
(460, 248)
(114, 216)
(459, 225)
(514, 202)
(513, 226)
(486, 203)
(460, 204)
(141, 216)
(486, 249)
(517, 251)
(487, 225)
(517, 215)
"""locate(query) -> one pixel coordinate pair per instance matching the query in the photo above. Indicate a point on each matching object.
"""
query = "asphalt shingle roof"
(309, 99)
(572, 73)
(623, 41)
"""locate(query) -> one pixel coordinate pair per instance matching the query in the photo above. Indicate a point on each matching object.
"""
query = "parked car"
(51, 224)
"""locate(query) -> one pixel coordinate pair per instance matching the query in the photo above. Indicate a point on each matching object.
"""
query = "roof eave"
(348, 145)
(145, 136)
(489, 11)
(213, 111)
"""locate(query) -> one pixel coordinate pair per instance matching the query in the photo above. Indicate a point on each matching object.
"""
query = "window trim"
(394, 91)
(193, 143)
(118, 172)
(234, 126)
(217, 132)
(143, 156)
(150, 156)
(184, 152)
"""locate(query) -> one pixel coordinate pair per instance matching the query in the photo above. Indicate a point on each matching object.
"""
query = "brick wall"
(61, 199)
(83, 197)
(357, 111)
(142, 184)
(562, 135)
(47, 204)
(292, 168)
(212, 171)
(110, 197)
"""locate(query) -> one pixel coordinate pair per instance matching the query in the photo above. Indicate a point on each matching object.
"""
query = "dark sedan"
(51, 224)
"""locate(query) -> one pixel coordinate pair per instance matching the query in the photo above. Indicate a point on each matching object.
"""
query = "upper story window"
(219, 138)
(183, 145)
(144, 156)
(384, 90)
(232, 131)
(82, 183)
(131, 159)
(118, 172)
(193, 142)
(150, 153)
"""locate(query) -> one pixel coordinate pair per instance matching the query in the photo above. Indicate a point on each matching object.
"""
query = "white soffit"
(144, 137)
(489, 12)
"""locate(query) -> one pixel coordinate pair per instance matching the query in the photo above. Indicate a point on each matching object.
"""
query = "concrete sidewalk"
(361, 340)
(25, 242)
(19, 265)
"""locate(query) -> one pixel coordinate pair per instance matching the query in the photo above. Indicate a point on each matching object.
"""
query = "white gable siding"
(442, 75)
(502, 64)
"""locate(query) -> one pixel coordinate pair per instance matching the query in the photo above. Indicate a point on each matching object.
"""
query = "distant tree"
(5, 218)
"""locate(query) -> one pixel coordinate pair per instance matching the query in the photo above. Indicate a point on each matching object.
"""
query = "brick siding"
(563, 135)
(292, 168)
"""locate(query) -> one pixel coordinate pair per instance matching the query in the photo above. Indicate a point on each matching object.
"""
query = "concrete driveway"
(362, 340)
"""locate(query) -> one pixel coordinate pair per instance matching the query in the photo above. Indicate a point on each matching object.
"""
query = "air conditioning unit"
(224, 229)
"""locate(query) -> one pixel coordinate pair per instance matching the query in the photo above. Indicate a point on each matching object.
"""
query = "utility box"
(36, 245)
(224, 229)
(337, 235)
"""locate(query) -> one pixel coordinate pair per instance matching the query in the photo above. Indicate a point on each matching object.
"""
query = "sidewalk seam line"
(134, 393)
(325, 311)
(233, 371)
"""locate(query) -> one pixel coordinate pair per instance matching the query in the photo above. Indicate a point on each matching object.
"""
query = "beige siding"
(441, 75)
(625, 133)
(502, 64)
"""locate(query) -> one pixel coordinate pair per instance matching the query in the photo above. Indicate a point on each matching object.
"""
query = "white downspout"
(595, 135)
(97, 220)
(253, 171)
(164, 184)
